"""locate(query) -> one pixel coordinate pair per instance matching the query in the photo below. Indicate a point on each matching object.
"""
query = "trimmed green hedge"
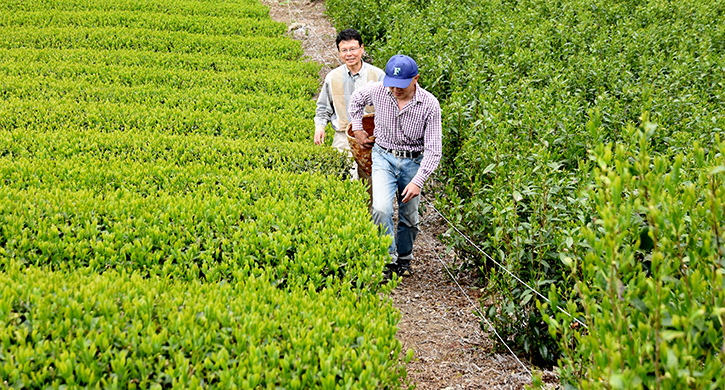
(165, 218)
(198, 24)
(230, 8)
(121, 330)
(196, 234)
(96, 61)
(67, 157)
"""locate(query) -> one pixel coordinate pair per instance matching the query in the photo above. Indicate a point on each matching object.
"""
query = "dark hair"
(348, 35)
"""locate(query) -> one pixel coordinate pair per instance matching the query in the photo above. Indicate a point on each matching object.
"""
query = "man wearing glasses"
(406, 151)
(335, 95)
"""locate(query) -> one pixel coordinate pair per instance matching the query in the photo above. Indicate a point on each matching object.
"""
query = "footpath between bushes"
(452, 351)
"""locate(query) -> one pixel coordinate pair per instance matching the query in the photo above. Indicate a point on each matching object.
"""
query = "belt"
(401, 153)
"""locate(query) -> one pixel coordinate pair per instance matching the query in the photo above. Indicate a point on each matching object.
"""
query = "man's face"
(405, 93)
(351, 52)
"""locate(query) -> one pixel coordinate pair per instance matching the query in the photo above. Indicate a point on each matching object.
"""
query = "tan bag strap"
(338, 94)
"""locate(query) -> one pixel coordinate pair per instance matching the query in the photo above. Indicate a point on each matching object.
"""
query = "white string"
(502, 267)
(480, 314)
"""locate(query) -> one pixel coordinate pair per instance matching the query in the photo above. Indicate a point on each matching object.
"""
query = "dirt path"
(452, 351)
(437, 320)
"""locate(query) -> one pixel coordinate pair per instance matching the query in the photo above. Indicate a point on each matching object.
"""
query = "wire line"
(479, 313)
(501, 266)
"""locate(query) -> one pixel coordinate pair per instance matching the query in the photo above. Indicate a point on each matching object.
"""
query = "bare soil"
(306, 21)
(438, 307)
(453, 351)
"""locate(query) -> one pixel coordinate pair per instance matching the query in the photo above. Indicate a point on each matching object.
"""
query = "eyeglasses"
(351, 50)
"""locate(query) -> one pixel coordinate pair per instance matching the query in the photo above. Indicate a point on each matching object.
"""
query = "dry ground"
(437, 306)
(452, 351)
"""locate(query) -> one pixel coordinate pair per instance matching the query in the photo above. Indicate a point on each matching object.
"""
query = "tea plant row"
(252, 25)
(530, 91)
(120, 330)
(165, 220)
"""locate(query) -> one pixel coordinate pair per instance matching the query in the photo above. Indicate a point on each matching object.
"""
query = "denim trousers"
(390, 176)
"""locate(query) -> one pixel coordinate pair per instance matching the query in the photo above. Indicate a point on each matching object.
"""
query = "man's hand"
(410, 192)
(361, 136)
(320, 137)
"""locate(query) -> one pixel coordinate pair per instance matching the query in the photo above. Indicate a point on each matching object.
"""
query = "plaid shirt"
(417, 127)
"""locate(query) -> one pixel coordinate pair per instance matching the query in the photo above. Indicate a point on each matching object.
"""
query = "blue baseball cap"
(399, 71)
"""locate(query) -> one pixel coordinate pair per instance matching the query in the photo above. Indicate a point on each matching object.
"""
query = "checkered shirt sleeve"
(417, 127)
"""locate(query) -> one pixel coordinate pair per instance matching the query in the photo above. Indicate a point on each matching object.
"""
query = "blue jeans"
(390, 176)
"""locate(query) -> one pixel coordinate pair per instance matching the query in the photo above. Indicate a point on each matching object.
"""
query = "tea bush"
(111, 159)
(254, 25)
(652, 282)
(194, 235)
(165, 219)
(527, 88)
(121, 330)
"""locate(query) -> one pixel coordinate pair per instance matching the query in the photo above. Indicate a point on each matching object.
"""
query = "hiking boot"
(404, 268)
(389, 269)
(405, 271)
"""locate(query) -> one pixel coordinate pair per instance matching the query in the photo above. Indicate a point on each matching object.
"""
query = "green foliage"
(372, 26)
(196, 235)
(58, 114)
(112, 159)
(652, 284)
(527, 88)
(120, 330)
(165, 219)
(236, 91)
(232, 8)
(118, 38)
(202, 64)
(255, 25)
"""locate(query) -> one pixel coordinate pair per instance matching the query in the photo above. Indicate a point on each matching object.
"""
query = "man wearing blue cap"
(406, 150)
